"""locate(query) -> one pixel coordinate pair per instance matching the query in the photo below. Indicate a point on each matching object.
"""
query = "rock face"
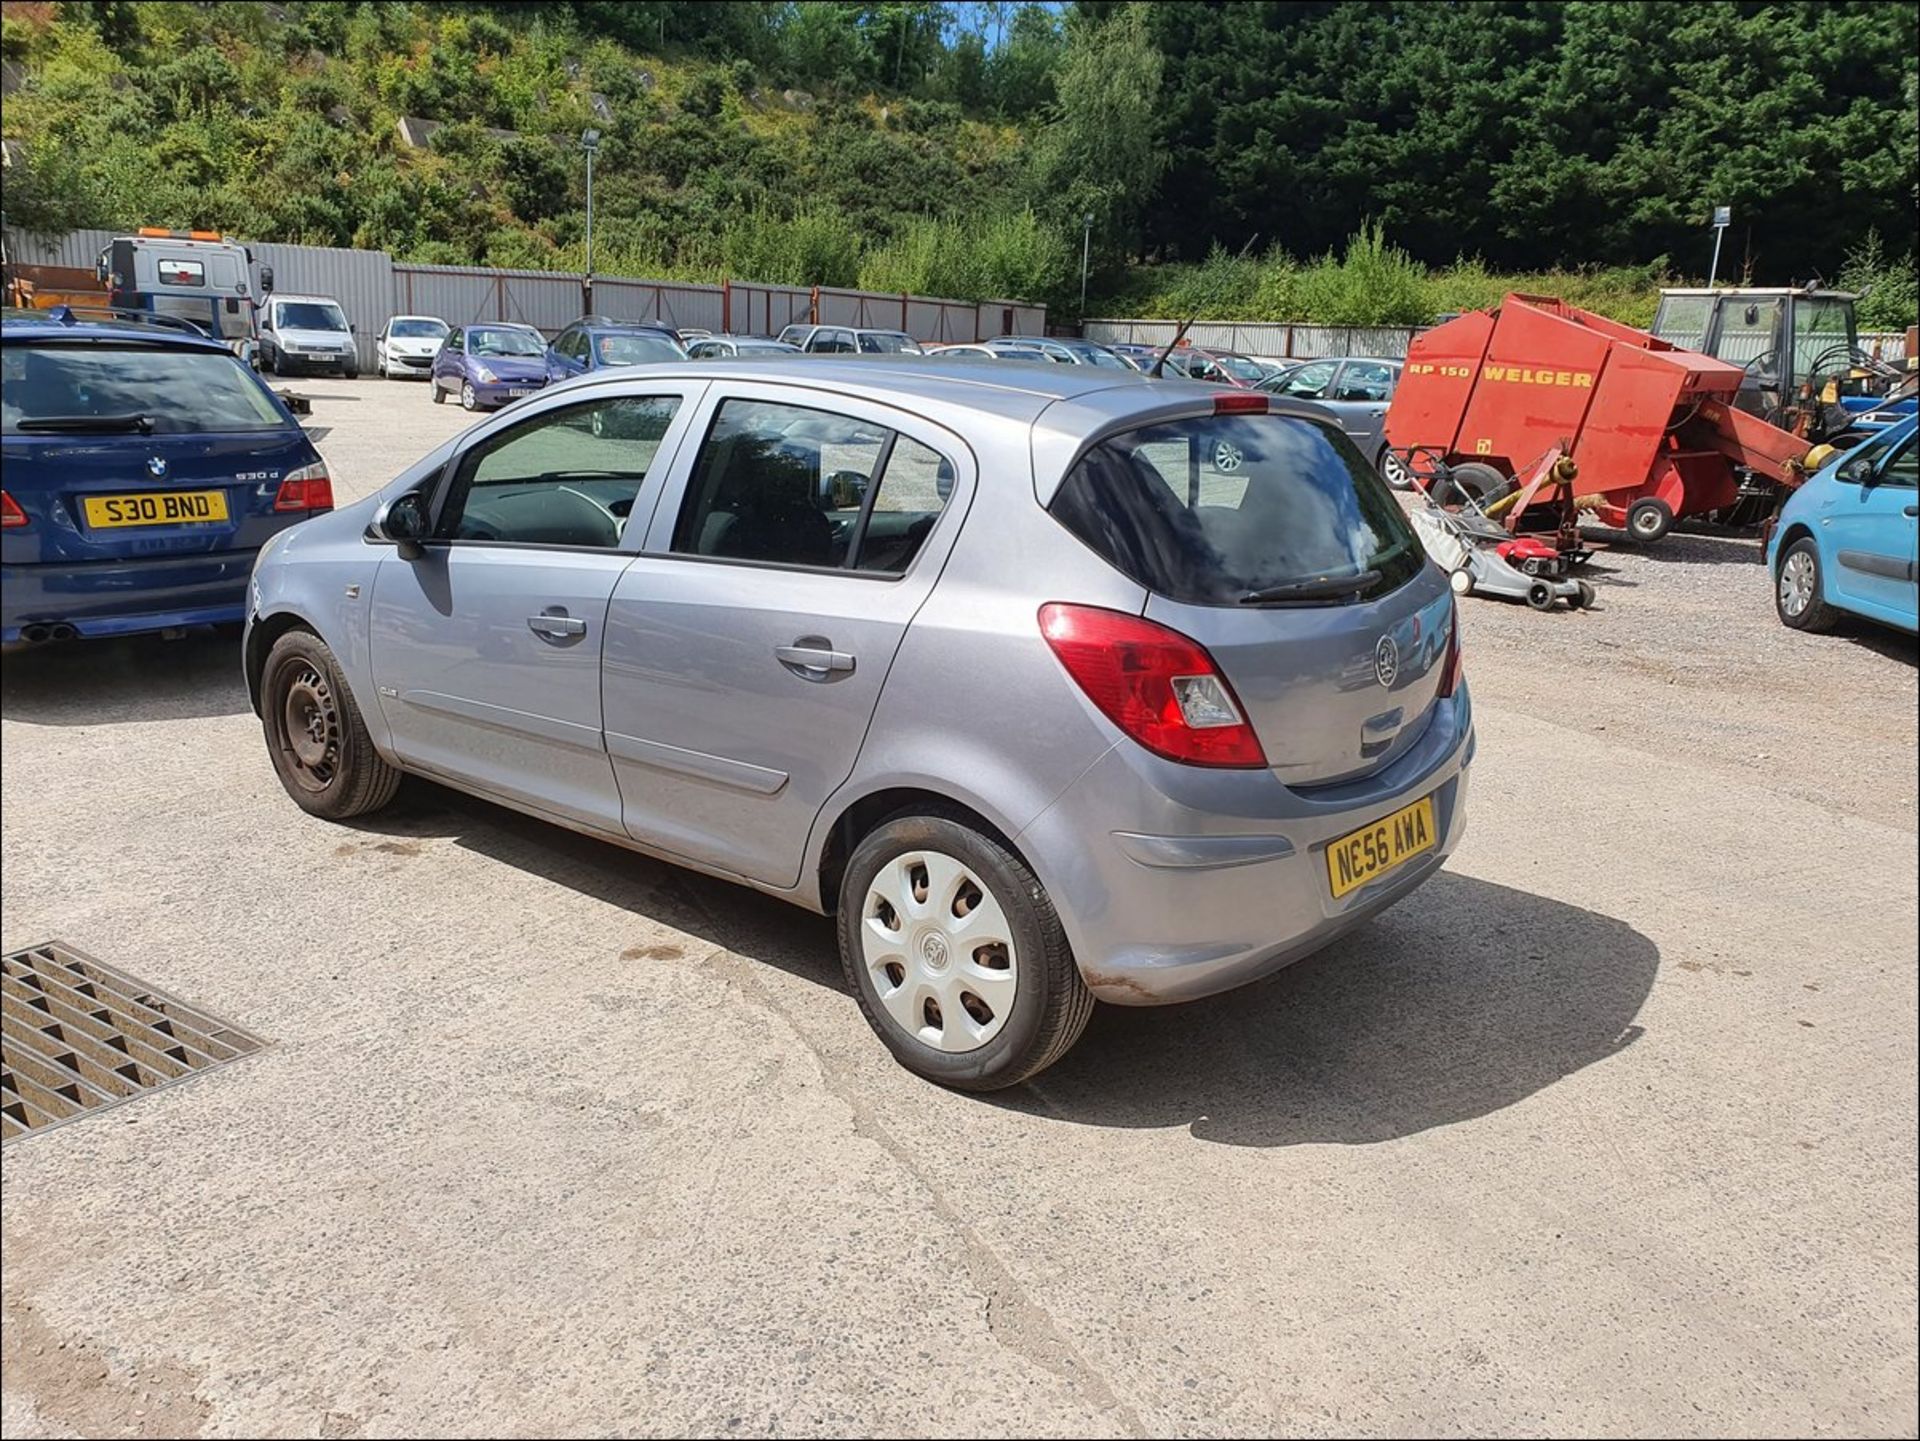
(601, 106)
(796, 99)
(644, 79)
(415, 132)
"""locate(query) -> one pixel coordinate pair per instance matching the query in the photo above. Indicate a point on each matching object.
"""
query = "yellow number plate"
(171, 507)
(1360, 856)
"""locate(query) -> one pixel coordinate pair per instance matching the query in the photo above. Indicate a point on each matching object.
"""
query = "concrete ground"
(1608, 1129)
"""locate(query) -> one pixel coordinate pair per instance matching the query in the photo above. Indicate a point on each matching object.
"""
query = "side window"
(832, 342)
(788, 485)
(1904, 468)
(913, 491)
(1364, 380)
(456, 343)
(568, 478)
(702, 350)
(1310, 380)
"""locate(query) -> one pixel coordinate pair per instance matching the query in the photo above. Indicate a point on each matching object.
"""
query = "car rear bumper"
(125, 597)
(1175, 883)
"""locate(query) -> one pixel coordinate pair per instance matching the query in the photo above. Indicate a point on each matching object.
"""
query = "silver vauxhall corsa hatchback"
(1055, 686)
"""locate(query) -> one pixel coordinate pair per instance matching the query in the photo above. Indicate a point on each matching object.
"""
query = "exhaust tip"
(62, 632)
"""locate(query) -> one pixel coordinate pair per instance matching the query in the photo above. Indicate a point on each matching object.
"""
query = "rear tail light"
(308, 488)
(1240, 402)
(1159, 687)
(1450, 667)
(11, 515)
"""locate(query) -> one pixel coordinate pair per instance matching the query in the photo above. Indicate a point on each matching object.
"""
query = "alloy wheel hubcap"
(939, 950)
(1796, 584)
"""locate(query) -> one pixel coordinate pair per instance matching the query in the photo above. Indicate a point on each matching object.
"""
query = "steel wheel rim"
(310, 729)
(1796, 583)
(939, 950)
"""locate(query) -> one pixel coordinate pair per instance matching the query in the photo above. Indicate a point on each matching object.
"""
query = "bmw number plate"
(174, 507)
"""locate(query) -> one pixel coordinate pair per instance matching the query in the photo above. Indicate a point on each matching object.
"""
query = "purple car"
(489, 365)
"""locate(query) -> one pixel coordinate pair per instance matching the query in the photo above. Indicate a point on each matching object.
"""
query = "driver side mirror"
(1858, 471)
(266, 280)
(402, 520)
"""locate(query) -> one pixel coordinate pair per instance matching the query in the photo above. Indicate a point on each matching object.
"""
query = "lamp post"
(1086, 246)
(1722, 218)
(589, 142)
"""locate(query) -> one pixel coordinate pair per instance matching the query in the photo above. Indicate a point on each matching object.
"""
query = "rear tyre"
(1462, 581)
(956, 955)
(1649, 520)
(315, 735)
(1799, 591)
(1479, 480)
(1582, 596)
(1393, 470)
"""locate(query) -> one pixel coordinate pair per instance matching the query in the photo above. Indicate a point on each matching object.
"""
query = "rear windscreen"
(1212, 509)
(180, 392)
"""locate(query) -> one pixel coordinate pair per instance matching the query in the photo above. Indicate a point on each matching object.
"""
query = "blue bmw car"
(145, 466)
(1846, 540)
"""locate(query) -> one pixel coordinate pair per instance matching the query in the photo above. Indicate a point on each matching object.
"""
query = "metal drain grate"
(78, 1036)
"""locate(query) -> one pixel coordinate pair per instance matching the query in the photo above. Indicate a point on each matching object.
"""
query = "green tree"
(1097, 155)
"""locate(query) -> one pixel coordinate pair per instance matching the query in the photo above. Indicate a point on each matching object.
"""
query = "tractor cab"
(1799, 349)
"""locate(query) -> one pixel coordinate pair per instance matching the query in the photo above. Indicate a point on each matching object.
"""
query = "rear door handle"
(813, 658)
(557, 626)
(1911, 510)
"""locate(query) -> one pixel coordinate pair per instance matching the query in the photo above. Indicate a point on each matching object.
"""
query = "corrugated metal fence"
(1312, 341)
(372, 287)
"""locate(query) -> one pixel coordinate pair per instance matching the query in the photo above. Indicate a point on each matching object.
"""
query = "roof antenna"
(1181, 334)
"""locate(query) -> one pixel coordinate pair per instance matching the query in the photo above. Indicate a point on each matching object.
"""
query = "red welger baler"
(1651, 427)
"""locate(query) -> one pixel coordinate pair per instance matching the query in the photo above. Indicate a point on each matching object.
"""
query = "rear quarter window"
(1209, 510)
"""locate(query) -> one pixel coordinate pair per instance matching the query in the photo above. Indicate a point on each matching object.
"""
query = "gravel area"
(1609, 1129)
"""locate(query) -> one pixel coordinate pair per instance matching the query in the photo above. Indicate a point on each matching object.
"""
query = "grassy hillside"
(832, 143)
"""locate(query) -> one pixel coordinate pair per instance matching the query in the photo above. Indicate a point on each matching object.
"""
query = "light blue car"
(1846, 540)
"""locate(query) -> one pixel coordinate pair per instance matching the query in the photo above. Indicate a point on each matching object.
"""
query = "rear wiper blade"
(103, 424)
(1320, 587)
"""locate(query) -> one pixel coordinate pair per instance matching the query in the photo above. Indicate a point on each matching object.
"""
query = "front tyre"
(956, 955)
(1799, 591)
(469, 398)
(315, 734)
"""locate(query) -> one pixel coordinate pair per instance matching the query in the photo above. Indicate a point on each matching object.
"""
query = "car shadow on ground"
(1705, 545)
(1881, 640)
(133, 678)
(1465, 998)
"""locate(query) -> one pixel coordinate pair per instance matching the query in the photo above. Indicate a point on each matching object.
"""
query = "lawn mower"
(1483, 543)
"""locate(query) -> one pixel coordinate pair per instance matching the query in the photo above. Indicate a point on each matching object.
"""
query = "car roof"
(655, 327)
(41, 327)
(314, 299)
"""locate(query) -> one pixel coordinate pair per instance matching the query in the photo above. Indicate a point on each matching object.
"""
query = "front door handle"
(813, 655)
(557, 626)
